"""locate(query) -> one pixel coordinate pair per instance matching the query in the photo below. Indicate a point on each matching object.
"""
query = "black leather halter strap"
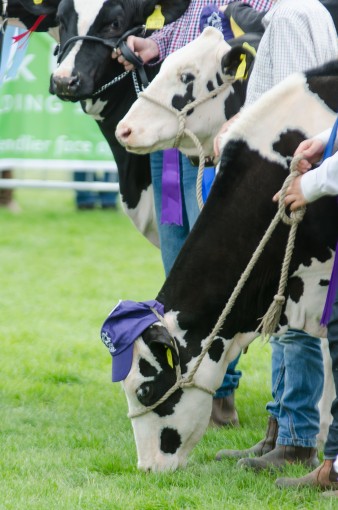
(113, 44)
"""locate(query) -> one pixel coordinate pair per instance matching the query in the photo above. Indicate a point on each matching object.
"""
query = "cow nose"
(123, 132)
(65, 86)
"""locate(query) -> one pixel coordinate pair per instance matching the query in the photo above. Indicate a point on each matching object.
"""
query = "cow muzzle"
(66, 88)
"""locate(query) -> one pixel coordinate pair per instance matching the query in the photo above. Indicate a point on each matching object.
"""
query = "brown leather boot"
(282, 456)
(264, 446)
(224, 412)
(323, 477)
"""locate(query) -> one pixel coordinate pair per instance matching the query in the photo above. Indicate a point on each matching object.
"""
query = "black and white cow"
(193, 73)
(237, 213)
(86, 66)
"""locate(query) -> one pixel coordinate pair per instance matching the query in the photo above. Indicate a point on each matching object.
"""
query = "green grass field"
(65, 440)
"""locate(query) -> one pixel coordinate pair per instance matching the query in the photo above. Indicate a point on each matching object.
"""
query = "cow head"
(189, 74)
(85, 64)
(165, 435)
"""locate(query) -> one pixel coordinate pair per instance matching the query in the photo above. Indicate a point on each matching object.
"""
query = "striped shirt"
(186, 28)
(299, 35)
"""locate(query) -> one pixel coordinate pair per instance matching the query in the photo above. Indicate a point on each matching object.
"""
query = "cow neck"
(184, 131)
(270, 320)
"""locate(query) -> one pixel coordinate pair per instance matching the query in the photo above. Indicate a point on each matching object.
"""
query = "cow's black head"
(86, 65)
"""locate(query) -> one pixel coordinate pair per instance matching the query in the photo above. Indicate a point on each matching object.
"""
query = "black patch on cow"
(187, 78)
(170, 440)
(219, 79)
(324, 283)
(179, 102)
(146, 369)
(168, 407)
(296, 288)
(322, 80)
(216, 350)
(291, 138)
(210, 86)
(235, 99)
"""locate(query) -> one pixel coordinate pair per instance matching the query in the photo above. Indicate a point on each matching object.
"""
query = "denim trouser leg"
(109, 198)
(331, 445)
(230, 381)
(298, 378)
(172, 237)
(85, 197)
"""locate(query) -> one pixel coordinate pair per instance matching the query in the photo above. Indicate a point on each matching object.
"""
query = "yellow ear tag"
(241, 69)
(37, 2)
(170, 358)
(156, 20)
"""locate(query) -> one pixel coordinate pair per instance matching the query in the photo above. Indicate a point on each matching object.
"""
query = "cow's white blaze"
(87, 12)
(153, 127)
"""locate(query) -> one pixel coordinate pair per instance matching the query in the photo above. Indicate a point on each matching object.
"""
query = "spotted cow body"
(238, 211)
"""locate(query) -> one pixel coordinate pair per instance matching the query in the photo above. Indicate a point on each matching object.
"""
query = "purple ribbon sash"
(171, 189)
(333, 285)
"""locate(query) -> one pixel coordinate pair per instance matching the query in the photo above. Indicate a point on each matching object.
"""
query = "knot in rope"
(298, 215)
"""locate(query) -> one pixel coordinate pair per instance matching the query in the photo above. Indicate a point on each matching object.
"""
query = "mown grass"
(66, 442)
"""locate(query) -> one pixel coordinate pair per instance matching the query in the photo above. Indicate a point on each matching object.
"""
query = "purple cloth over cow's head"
(125, 323)
(211, 16)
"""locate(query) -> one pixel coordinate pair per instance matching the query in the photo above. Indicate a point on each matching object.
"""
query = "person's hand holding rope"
(145, 48)
(312, 151)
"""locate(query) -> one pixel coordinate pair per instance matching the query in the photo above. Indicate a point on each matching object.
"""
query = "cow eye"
(187, 77)
(144, 393)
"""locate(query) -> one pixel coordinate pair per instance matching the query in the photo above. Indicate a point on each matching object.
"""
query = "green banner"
(39, 130)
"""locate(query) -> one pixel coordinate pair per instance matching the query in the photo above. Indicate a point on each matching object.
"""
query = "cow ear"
(237, 62)
(157, 337)
(171, 9)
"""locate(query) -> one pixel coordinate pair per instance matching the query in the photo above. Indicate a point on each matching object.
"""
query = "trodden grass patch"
(66, 442)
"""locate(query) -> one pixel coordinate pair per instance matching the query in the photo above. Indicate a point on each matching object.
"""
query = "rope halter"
(271, 318)
(184, 131)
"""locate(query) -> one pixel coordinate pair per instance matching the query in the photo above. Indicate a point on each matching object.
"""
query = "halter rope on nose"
(183, 130)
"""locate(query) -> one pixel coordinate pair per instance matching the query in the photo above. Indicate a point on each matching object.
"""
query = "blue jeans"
(104, 198)
(297, 386)
(331, 445)
(172, 237)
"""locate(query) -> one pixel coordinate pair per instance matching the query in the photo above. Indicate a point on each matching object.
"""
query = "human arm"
(246, 17)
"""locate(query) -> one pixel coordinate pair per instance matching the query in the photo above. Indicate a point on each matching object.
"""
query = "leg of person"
(172, 237)
(268, 443)
(7, 195)
(325, 476)
(84, 199)
(108, 199)
(224, 412)
(298, 420)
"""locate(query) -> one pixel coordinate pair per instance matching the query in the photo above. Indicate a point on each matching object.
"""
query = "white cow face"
(165, 436)
(188, 74)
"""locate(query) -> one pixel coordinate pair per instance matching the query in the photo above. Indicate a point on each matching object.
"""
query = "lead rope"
(182, 130)
(271, 318)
